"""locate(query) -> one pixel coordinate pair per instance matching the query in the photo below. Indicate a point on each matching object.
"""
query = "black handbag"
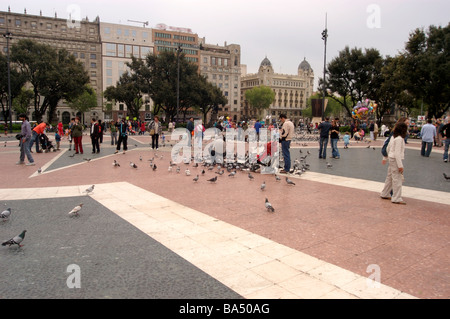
(18, 136)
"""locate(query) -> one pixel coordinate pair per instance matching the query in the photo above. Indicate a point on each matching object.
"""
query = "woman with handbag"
(155, 131)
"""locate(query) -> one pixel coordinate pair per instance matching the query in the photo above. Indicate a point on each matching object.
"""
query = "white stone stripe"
(372, 186)
(251, 265)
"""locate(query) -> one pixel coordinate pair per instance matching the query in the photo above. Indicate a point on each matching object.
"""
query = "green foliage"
(260, 97)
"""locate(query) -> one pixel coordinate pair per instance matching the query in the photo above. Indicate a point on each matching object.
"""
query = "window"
(91, 30)
(120, 107)
(111, 49)
(119, 32)
(213, 61)
(108, 63)
(93, 65)
(145, 35)
(81, 55)
(126, 32)
(33, 24)
(107, 30)
(121, 50)
(205, 60)
(144, 51)
(133, 33)
(108, 81)
(108, 72)
(2, 20)
(129, 51)
(18, 23)
(93, 56)
(93, 74)
(49, 26)
(136, 50)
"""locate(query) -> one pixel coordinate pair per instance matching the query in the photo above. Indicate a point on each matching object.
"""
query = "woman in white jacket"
(396, 155)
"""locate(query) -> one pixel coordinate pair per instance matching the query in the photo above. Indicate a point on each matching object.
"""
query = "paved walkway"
(331, 235)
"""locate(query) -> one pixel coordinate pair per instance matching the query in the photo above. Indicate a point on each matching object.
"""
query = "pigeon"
(116, 164)
(187, 172)
(39, 170)
(140, 158)
(195, 178)
(263, 186)
(221, 172)
(170, 168)
(72, 155)
(133, 165)
(329, 165)
(250, 176)
(75, 210)
(154, 167)
(289, 181)
(269, 206)
(90, 189)
(15, 240)
(4, 215)
(87, 159)
(213, 180)
(445, 176)
(203, 172)
(277, 178)
(232, 174)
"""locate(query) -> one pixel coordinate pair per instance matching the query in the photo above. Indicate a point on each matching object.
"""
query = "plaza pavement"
(158, 234)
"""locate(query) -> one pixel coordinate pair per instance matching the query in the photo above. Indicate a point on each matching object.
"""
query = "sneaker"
(30, 164)
(283, 171)
(399, 203)
(446, 160)
(20, 163)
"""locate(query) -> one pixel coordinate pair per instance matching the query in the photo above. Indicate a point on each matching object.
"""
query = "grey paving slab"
(365, 163)
(115, 259)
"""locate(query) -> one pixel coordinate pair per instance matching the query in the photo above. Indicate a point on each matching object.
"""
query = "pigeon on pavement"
(195, 178)
(116, 164)
(329, 165)
(75, 210)
(263, 186)
(90, 189)
(277, 178)
(269, 206)
(289, 181)
(133, 165)
(250, 176)
(15, 240)
(445, 176)
(213, 180)
(5, 214)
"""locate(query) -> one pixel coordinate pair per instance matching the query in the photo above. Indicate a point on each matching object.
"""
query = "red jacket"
(40, 128)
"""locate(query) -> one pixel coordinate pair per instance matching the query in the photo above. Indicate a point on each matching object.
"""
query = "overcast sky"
(286, 31)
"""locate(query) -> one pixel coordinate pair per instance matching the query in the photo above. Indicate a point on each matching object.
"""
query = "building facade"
(291, 92)
(119, 43)
(221, 66)
(82, 39)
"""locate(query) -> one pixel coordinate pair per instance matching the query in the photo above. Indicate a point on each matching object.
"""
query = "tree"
(17, 81)
(52, 74)
(353, 76)
(425, 68)
(260, 97)
(207, 97)
(22, 101)
(85, 101)
(128, 92)
(157, 76)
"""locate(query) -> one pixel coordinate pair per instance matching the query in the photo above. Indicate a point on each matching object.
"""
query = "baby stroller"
(46, 144)
(266, 159)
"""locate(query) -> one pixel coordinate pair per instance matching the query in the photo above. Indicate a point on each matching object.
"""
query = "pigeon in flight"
(90, 189)
(289, 181)
(75, 210)
(4, 215)
(133, 165)
(15, 240)
(269, 206)
(213, 180)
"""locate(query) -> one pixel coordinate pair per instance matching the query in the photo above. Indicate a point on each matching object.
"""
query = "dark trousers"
(124, 139)
(95, 144)
(285, 146)
(155, 139)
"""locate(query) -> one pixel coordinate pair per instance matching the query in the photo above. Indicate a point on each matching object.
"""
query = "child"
(58, 140)
(362, 133)
(163, 138)
(346, 139)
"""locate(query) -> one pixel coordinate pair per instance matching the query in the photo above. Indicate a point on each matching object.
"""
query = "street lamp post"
(178, 78)
(324, 38)
(8, 36)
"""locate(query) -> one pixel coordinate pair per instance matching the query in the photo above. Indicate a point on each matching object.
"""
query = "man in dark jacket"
(95, 135)
(122, 129)
(190, 128)
(445, 133)
(324, 129)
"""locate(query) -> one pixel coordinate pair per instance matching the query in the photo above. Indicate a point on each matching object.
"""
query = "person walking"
(37, 130)
(77, 135)
(113, 129)
(95, 135)
(428, 133)
(70, 131)
(156, 128)
(122, 130)
(25, 137)
(445, 134)
(372, 130)
(287, 131)
(396, 155)
(324, 128)
(334, 137)
(438, 139)
(190, 128)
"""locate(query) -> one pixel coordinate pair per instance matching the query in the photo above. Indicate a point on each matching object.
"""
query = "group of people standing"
(329, 131)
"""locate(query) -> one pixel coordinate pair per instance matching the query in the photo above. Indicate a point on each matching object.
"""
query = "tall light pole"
(324, 38)
(8, 36)
(178, 77)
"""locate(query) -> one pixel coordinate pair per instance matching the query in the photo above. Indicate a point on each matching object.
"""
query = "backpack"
(385, 145)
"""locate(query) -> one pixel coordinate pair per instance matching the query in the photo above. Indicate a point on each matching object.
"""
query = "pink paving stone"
(348, 227)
